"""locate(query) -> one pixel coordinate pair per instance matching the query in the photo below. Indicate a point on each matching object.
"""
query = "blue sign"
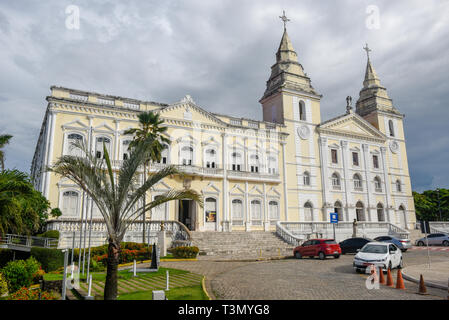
(334, 217)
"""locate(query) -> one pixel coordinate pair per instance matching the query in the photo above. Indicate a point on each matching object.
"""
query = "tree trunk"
(144, 203)
(110, 287)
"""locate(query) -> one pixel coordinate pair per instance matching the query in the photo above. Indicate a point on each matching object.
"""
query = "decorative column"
(247, 213)
(52, 120)
(284, 180)
(116, 142)
(226, 218)
(245, 152)
(344, 159)
(388, 201)
(266, 222)
(365, 149)
(324, 175)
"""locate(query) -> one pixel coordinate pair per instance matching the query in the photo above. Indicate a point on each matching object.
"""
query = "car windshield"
(372, 248)
(330, 242)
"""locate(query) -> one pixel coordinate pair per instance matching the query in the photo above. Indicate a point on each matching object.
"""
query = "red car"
(318, 247)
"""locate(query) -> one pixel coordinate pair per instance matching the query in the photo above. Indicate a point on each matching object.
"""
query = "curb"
(128, 264)
(427, 283)
(250, 260)
(204, 288)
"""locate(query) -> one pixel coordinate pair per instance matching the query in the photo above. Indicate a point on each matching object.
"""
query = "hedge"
(185, 252)
(50, 234)
(50, 259)
(20, 273)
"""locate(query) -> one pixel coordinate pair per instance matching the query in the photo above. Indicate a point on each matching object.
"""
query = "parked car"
(352, 244)
(402, 244)
(434, 239)
(318, 247)
(381, 254)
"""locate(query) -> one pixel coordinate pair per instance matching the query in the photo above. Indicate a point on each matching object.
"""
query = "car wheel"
(400, 264)
(420, 243)
(390, 266)
(358, 270)
(321, 255)
(337, 256)
(445, 243)
(298, 255)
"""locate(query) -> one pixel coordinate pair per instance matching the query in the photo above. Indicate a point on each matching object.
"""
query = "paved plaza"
(292, 279)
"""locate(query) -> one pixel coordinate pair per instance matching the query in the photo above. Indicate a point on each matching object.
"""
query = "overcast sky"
(220, 52)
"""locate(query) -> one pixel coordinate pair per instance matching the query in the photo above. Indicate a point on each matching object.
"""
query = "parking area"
(293, 279)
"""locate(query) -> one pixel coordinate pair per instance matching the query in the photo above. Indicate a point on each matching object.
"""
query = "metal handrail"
(29, 241)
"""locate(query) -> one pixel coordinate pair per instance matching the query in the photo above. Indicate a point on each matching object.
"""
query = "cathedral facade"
(291, 166)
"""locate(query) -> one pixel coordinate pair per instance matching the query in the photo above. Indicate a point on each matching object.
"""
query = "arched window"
(254, 163)
(378, 184)
(380, 212)
(256, 210)
(211, 158)
(164, 154)
(391, 127)
(272, 165)
(159, 212)
(360, 211)
(398, 186)
(308, 212)
(302, 111)
(125, 149)
(186, 156)
(336, 181)
(357, 182)
(70, 205)
(401, 216)
(237, 209)
(72, 139)
(306, 178)
(338, 210)
(100, 142)
(236, 161)
(211, 210)
(273, 209)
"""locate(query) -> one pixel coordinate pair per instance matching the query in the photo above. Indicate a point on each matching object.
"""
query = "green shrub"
(3, 285)
(50, 259)
(20, 273)
(7, 255)
(50, 234)
(185, 252)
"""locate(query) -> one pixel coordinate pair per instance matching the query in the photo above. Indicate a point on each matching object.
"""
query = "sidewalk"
(437, 276)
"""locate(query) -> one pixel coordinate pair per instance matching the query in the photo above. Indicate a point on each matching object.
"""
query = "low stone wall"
(53, 285)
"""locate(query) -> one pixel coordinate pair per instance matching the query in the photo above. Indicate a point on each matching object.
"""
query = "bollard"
(134, 268)
(167, 280)
(89, 289)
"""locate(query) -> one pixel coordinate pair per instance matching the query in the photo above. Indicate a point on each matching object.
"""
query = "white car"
(380, 254)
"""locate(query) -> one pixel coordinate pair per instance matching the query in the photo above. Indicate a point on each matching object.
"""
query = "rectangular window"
(334, 156)
(355, 158)
(376, 162)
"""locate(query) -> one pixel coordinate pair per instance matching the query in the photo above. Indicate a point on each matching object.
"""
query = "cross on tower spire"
(367, 49)
(284, 19)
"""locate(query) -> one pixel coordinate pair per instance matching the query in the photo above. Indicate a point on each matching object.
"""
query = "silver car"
(433, 239)
(402, 243)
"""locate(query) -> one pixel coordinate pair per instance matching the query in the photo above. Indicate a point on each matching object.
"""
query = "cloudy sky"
(220, 52)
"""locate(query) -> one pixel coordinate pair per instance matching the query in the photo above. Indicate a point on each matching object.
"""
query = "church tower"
(375, 105)
(289, 94)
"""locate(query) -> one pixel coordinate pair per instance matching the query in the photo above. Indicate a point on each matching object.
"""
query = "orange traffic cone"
(422, 286)
(381, 276)
(400, 281)
(389, 279)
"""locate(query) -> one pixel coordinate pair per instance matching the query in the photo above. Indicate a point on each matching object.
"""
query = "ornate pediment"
(351, 125)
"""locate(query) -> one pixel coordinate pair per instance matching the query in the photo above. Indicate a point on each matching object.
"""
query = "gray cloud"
(220, 52)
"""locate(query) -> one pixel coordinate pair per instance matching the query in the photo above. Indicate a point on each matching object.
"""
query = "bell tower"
(289, 94)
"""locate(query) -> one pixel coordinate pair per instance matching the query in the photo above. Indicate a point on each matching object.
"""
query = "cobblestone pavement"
(302, 279)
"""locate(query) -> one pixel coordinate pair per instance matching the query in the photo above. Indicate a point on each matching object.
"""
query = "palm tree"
(13, 185)
(4, 140)
(117, 194)
(150, 127)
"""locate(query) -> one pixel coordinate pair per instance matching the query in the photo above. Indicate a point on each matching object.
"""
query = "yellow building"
(290, 167)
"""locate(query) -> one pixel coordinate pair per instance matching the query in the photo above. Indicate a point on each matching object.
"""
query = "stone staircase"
(240, 245)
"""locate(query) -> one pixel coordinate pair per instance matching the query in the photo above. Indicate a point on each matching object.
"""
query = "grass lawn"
(183, 293)
(122, 274)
